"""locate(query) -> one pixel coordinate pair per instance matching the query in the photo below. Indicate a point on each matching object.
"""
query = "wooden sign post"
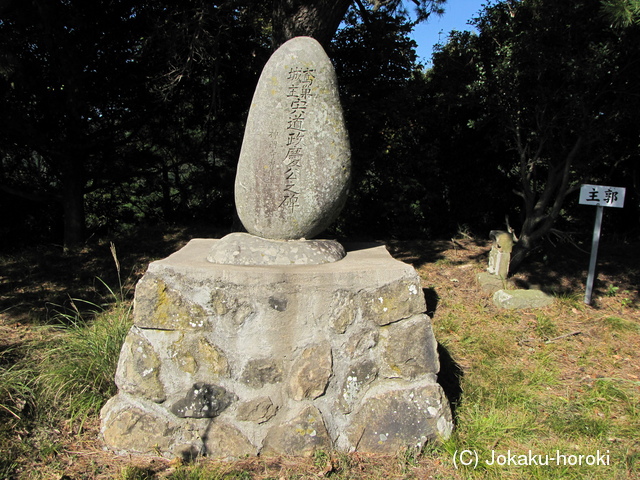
(600, 196)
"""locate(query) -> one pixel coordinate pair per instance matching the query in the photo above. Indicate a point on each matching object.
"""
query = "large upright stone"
(294, 167)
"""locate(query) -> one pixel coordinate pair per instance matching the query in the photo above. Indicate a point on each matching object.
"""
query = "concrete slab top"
(361, 260)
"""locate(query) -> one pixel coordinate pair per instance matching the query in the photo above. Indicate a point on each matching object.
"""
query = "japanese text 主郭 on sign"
(602, 196)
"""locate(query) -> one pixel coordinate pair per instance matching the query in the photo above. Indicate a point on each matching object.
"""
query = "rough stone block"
(138, 370)
(310, 372)
(261, 371)
(193, 354)
(131, 426)
(159, 306)
(226, 442)
(301, 436)
(359, 377)
(521, 299)
(343, 310)
(393, 302)
(202, 401)
(409, 348)
(257, 410)
(389, 421)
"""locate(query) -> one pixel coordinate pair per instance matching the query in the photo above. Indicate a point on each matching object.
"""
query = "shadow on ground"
(450, 379)
(421, 252)
(451, 373)
(38, 283)
(563, 270)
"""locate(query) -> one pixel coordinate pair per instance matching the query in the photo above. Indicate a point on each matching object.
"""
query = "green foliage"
(622, 13)
(383, 95)
(423, 9)
(625, 299)
(541, 92)
(320, 458)
(136, 106)
(137, 115)
(84, 55)
(612, 291)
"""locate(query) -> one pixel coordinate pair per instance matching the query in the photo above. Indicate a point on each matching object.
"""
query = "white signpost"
(600, 196)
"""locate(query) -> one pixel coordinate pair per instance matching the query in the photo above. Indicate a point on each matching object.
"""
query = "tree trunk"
(312, 18)
(167, 208)
(542, 210)
(521, 249)
(73, 205)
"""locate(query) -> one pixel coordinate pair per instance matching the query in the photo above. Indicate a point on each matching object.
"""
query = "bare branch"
(572, 334)
(377, 4)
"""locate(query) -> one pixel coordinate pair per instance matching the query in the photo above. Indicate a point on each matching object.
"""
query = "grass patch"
(77, 364)
(77, 367)
(132, 472)
(620, 324)
(571, 300)
(16, 384)
(17, 400)
(575, 422)
(205, 472)
(545, 328)
(49, 388)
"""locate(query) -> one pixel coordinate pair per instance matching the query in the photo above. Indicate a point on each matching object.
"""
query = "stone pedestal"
(228, 360)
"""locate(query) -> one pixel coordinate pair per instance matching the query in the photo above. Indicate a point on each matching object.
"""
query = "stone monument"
(266, 342)
(495, 280)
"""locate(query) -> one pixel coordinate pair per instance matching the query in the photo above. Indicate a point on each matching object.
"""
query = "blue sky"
(436, 29)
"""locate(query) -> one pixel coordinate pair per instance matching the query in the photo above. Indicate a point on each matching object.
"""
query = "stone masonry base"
(228, 361)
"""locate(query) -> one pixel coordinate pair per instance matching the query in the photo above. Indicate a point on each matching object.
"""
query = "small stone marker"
(294, 167)
(495, 281)
(495, 278)
(500, 254)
